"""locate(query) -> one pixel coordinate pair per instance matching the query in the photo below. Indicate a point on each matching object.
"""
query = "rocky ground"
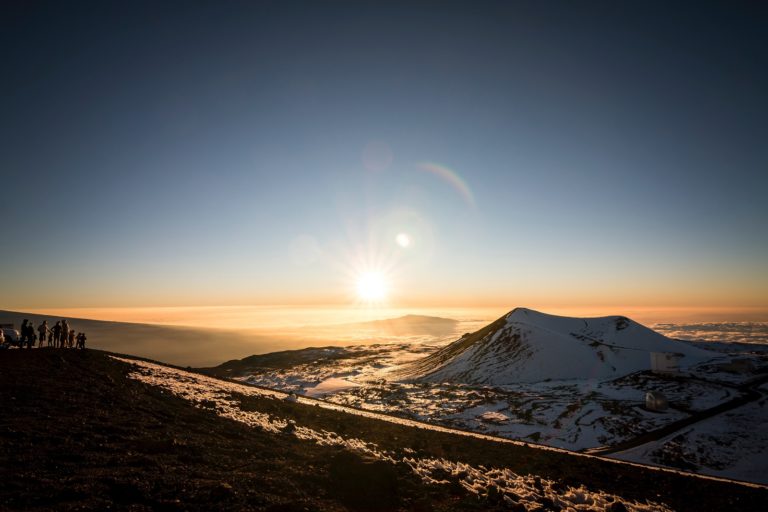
(77, 434)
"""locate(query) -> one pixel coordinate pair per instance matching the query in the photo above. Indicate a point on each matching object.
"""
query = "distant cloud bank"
(725, 332)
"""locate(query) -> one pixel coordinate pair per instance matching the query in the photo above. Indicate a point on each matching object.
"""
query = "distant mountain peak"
(526, 345)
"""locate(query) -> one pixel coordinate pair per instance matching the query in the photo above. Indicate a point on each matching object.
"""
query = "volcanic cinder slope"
(87, 430)
(529, 346)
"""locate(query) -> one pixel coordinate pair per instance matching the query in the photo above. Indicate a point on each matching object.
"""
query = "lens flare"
(452, 178)
(403, 240)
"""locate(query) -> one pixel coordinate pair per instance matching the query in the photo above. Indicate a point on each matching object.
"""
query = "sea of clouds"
(723, 332)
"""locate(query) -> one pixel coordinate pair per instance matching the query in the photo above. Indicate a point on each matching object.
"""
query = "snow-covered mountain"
(529, 346)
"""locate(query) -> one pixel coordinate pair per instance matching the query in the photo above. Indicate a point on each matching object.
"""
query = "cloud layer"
(725, 332)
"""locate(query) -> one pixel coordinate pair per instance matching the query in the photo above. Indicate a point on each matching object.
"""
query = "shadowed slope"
(76, 434)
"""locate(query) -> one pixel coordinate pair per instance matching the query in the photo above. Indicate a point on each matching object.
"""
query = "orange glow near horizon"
(287, 316)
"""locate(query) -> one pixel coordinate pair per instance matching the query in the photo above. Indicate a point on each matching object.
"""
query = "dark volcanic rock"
(617, 506)
(364, 483)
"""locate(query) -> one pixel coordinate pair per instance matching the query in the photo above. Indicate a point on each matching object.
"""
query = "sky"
(457, 153)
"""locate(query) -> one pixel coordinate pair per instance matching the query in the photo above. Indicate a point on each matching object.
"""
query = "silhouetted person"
(64, 332)
(43, 330)
(71, 339)
(50, 337)
(56, 334)
(23, 331)
(27, 334)
(81, 340)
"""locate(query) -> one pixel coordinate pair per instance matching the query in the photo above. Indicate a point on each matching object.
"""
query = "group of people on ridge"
(58, 336)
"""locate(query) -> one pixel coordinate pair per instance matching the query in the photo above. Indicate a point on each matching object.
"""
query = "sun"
(371, 287)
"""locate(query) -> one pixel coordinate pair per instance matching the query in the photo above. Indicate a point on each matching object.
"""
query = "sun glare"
(403, 240)
(371, 287)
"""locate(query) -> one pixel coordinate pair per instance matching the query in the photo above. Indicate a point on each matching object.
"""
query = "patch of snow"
(332, 385)
(494, 417)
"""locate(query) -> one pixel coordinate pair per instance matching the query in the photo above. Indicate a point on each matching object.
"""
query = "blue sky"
(177, 153)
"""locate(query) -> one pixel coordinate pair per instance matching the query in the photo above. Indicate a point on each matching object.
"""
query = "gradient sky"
(215, 153)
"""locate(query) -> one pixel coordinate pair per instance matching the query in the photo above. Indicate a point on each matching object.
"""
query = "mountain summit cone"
(529, 346)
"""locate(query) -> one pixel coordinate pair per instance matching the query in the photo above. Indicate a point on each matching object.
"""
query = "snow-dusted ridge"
(513, 488)
(529, 346)
(200, 389)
